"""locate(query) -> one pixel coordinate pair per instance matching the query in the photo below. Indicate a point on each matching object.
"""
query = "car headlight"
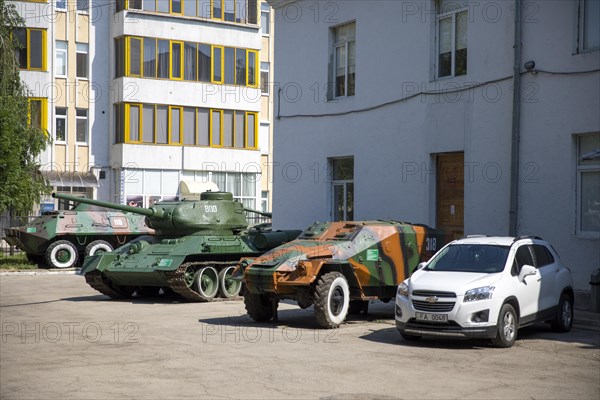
(480, 293)
(403, 289)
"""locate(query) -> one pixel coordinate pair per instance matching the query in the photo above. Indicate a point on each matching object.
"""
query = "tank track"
(95, 280)
(176, 281)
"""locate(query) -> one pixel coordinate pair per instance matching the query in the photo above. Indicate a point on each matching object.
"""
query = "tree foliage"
(21, 184)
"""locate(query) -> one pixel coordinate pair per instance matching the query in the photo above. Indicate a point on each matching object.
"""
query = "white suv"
(486, 287)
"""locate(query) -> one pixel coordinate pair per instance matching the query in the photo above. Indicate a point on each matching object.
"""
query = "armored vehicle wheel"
(331, 297)
(258, 306)
(206, 283)
(62, 254)
(228, 287)
(97, 247)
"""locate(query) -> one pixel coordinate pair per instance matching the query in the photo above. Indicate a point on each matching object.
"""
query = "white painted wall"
(394, 146)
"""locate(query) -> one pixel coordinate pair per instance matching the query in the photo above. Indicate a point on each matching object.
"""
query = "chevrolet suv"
(486, 287)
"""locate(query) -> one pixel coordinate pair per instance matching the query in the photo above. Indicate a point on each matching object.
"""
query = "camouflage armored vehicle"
(61, 239)
(193, 253)
(338, 267)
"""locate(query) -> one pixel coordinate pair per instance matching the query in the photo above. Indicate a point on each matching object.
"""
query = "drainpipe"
(516, 126)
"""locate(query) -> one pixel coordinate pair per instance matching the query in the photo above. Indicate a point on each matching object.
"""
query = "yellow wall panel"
(61, 92)
(60, 26)
(82, 158)
(59, 155)
(83, 30)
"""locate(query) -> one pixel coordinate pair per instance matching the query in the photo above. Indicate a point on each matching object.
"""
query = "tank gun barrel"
(263, 213)
(148, 212)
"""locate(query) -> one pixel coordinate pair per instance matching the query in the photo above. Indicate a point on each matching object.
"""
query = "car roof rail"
(474, 236)
(527, 237)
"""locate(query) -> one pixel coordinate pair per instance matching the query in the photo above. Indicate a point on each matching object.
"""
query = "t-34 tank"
(193, 253)
(61, 239)
(338, 267)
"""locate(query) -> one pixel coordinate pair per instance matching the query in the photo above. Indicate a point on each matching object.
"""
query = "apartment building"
(142, 95)
(406, 110)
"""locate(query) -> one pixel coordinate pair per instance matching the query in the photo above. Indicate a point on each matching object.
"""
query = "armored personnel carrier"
(338, 267)
(61, 239)
(193, 253)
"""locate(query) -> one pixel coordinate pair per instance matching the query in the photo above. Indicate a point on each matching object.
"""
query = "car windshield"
(470, 258)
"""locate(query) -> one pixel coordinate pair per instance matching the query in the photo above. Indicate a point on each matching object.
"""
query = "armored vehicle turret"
(338, 267)
(61, 239)
(193, 253)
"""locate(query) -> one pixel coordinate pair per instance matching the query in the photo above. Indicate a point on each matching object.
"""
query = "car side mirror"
(526, 270)
(421, 265)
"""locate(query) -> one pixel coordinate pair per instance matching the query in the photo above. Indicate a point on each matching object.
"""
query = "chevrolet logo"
(432, 299)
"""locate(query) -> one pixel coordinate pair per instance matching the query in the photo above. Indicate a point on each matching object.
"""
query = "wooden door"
(450, 199)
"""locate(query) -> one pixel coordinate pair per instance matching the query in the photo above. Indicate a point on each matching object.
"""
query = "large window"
(82, 60)
(83, 5)
(61, 59)
(588, 183)
(344, 59)
(82, 125)
(176, 60)
(37, 113)
(588, 25)
(191, 126)
(233, 11)
(265, 21)
(451, 41)
(264, 77)
(31, 53)
(60, 133)
(342, 170)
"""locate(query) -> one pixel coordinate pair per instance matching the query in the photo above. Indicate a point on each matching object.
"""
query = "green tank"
(61, 239)
(193, 252)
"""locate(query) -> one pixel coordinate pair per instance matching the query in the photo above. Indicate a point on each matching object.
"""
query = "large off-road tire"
(564, 315)
(62, 254)
(97, 247)
(228, 288)
(332, 299)
(258, 306)
(506, 333)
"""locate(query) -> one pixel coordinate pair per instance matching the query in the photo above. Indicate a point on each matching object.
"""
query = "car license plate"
(431, 317)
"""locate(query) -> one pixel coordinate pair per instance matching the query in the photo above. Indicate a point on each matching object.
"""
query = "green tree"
(21, 184)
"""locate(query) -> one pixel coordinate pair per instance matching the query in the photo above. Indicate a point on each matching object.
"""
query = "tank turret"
(215, 213)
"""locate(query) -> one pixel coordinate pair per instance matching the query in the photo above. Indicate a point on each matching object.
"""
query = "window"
(264, 77)
(135, 4)
(82, 126)
(163, 6)
(163, 59)
(542, 255)
(82, 60)
(203, 127)
(265, 21)
(148, 124)
(217, 68)
(149, 5)
(240, 66)
(119, 57)
(588, 183)
(264, 201)
(135, 56)
(342, 170)
(204, 63)
(217, 9)
(134, 113)
(344, 59)
(61, 58)
(241, 185)
(252, 68)
(216, 116)
(228, 138)
(189, 8)
(230, 65)
(522, 257)
(176, 7)
(240, 130)
(252, 12)
(176, 115)
(37, 113)
(176, 60)
(251, 129)
(119, 110)
(451, 39)
(588, 25)
(189, 61)
(162, 124)
(83, 5)
(149, 58)
(189, 126)
(31, 53)
(61, 5)
(229, 8)
(60, 132)
(203, 9)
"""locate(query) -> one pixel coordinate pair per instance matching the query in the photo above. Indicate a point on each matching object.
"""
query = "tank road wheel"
(258, 306)
(206, 283)
(62, 254)
(98, 247)
(228, 287)
(332, 297)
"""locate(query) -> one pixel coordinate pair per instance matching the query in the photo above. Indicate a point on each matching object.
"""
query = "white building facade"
(406, 110)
